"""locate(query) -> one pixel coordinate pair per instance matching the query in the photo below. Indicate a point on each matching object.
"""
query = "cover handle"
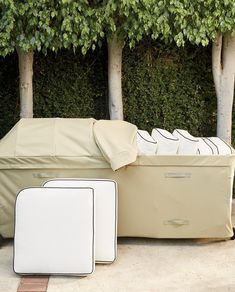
(45, 175)
(177, 222)
(177, 175)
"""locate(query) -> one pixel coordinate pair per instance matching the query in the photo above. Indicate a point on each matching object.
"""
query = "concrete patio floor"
(146, 265)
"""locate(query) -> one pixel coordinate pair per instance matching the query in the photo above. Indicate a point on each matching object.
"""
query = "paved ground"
(147, 265)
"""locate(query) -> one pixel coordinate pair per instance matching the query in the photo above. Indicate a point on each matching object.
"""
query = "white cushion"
(54, 231)
(188, 145)
(106, 213)
(167, 143)
(218, 145)
(145, 143)
(204, 148)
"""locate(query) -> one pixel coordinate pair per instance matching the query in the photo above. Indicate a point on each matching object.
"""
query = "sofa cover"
(160, 196)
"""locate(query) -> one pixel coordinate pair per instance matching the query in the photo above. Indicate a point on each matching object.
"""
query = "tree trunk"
(115, 79)
(26, 83)
(223, 67)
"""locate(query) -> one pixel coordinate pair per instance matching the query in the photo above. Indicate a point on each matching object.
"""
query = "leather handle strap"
(33, 284)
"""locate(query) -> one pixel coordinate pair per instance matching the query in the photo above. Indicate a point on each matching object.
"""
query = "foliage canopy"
(198, 21)
(46, 24)
(7, 13)
(54, 24)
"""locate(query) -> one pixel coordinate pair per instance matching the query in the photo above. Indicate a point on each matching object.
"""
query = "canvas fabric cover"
(68, 143)
(161, 196)
(117, 142)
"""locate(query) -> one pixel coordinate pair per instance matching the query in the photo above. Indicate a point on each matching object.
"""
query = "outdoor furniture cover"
(54, 231)
(160, 196)
(105, 214)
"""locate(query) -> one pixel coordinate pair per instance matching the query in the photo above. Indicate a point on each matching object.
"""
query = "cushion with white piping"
(54, 231)
(167, 143)
(105, 213)
(188, 144)
(145, 143)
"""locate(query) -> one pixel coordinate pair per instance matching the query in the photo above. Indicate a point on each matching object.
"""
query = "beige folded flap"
(117, 142)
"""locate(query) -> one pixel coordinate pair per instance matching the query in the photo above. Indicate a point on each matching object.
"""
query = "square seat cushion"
(105, 214)
(54, 231)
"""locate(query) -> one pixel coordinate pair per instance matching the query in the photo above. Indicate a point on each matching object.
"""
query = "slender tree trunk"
(223, 67)
(26, 83)
(115, 78)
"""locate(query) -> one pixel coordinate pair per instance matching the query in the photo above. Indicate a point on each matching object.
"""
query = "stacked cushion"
(105, 213)
(167, 143)
(181, 142)
(188, 145)
(54, 231)
(218, 145)
(145, 143)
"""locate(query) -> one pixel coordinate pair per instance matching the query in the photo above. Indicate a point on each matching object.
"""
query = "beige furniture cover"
(159, 196)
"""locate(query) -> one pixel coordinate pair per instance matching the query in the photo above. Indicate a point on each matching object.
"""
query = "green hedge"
(69, 85)
(162, 87)
(170, 88)
(9, 101)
